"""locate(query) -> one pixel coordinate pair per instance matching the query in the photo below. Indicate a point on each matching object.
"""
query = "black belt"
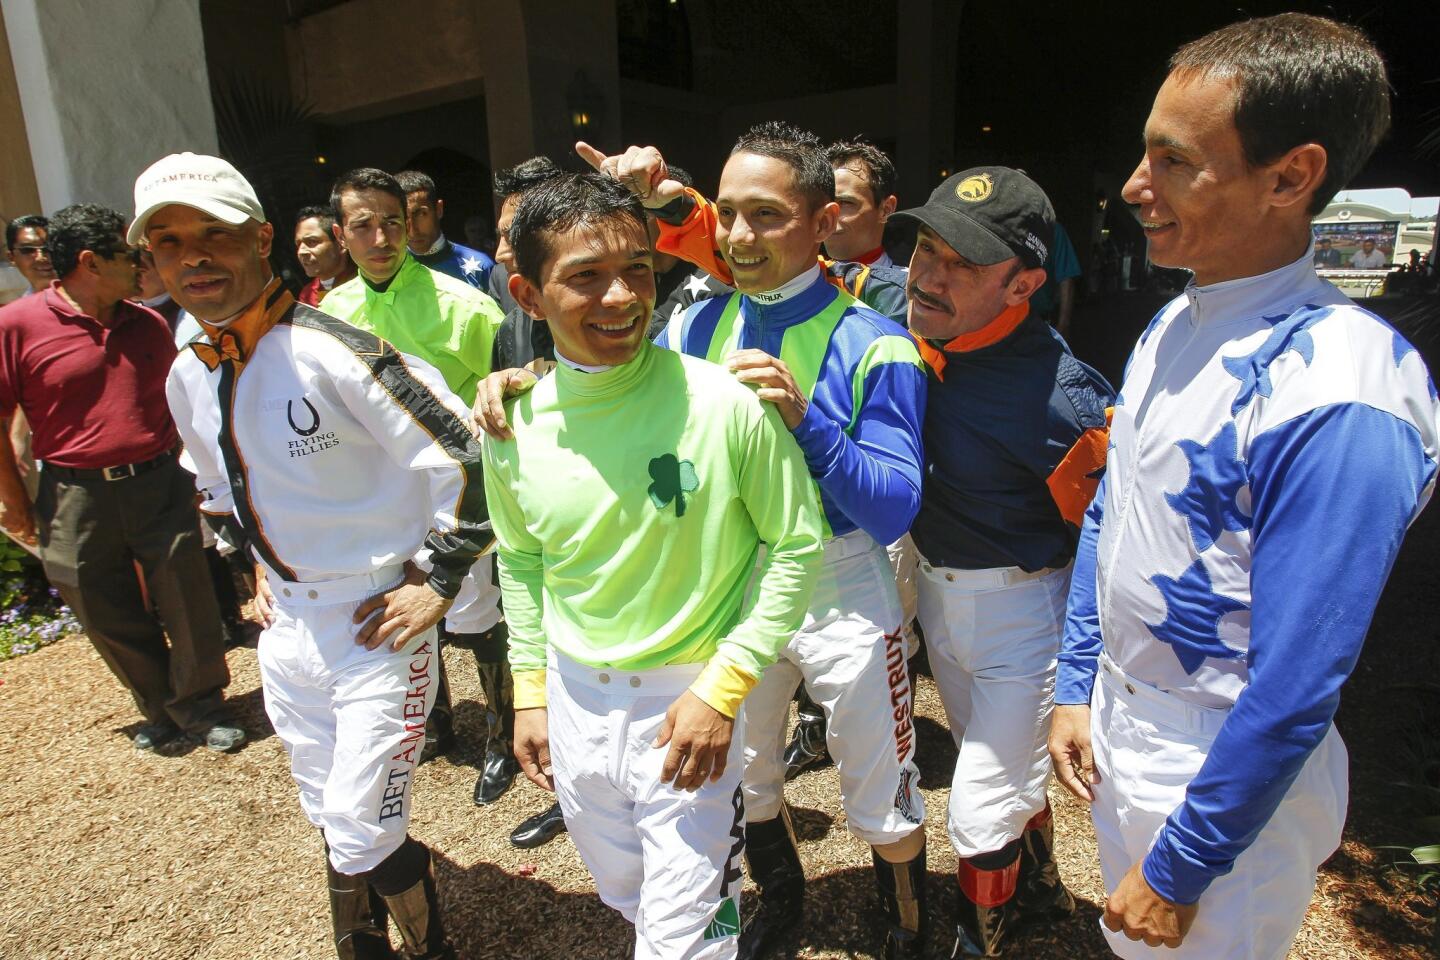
(122, 472)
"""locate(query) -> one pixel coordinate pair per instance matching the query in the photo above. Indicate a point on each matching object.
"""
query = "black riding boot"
(498, 769)
(232, 624)
(357, 916)
(1041, 894)
(902, 895)
(406, 879)
(987, 901)
(807, 748)
(775, 867)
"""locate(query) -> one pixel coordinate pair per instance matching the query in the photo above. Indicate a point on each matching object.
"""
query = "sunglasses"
(135, 255)
(28, 251)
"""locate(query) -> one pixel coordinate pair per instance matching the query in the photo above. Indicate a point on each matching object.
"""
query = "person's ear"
(1024, 285)
(439, 210)
(266, 239)
(527, 295)
(1297, 175)
(887, 207)
(88, 261)
(338, 234)
(826, 220)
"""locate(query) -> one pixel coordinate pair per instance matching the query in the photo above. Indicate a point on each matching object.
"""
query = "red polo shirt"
(312, 293)
(94, 396)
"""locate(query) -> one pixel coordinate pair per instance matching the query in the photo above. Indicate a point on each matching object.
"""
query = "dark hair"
(80, 227)
(523, 176)
(413, 181)
(364, 178)
(680, 174)
(562, 204)
(13, 228)
(314, 211)
(879, 170)
(798, 149)
(1299, 79)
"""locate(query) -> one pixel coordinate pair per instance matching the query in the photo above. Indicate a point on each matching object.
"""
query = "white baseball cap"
(195, 180)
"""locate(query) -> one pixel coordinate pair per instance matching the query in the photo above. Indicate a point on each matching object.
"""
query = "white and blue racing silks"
(1270, 445)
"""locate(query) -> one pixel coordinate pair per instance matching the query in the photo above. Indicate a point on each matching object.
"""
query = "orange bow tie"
(227, 349)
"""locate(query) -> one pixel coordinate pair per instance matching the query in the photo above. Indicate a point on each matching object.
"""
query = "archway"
(464, 183)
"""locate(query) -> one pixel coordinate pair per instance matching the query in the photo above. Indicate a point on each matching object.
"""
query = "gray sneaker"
(223, 738)
(152, 735)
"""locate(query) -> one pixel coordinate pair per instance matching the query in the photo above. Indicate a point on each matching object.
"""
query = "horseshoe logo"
(290, 415)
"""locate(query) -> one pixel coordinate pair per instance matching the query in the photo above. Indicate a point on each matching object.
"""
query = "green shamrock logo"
(673, 478)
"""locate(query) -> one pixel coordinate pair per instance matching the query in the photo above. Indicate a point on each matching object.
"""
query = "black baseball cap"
(990, 214)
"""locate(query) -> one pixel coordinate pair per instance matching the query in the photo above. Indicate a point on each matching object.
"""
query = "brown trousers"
(92, 534)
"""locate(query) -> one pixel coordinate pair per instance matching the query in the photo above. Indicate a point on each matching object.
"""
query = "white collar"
(434, 249)
(582, 367)
(1249, 297)
(328, 284)
(787, 289)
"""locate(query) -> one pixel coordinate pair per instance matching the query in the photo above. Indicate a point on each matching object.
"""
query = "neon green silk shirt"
(629, 510)
(429, 314)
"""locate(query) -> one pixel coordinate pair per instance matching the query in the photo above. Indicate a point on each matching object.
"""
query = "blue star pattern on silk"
(1400, 348)
(1287, 332)
(1192, 617)
(1209, 502)
(1150, 327)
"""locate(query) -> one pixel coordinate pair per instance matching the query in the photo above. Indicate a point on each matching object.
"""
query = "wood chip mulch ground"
(110, 853)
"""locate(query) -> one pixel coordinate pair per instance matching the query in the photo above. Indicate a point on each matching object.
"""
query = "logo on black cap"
(988, 215)
(976, 188)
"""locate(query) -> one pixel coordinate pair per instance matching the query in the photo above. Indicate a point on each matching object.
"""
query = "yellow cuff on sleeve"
(529, 689)
(722, 686)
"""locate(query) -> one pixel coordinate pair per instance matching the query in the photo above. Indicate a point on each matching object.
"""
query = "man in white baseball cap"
(332, 458)
(207, 184)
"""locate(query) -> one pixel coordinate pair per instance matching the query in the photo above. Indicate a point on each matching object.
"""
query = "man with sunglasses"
(87, 366)
(25, 248)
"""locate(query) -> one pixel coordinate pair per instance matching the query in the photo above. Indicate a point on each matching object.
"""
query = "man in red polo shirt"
(88, 368)
(321, 253)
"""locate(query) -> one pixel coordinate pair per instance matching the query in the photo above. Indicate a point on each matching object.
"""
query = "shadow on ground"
(247, 710)
(842, 915)
(495, 915)
(498, 916)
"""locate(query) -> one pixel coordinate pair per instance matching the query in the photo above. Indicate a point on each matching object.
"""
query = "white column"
(107, 87)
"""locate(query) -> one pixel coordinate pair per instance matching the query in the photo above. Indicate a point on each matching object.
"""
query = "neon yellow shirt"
(432, 315)
(629, 510)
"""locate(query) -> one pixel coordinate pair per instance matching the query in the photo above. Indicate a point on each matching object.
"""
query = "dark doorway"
(463, 182)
